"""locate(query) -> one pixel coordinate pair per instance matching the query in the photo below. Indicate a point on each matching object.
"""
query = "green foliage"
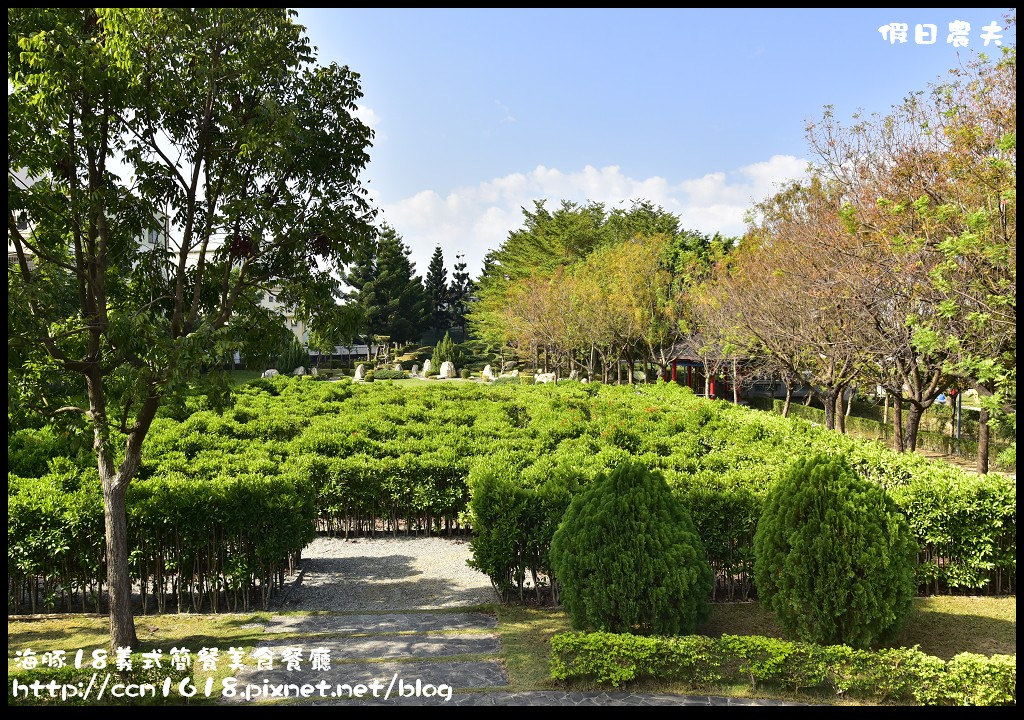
(900, 675)
(834, 556)
(465, 374)
(389, 296)
(388, 374)
(629, 558)
(220, 529)
(435, 286)
(369, 376)
(394, 453)
(293, 356)
(446, 351)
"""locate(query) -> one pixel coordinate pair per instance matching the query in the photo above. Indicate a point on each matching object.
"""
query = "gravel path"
(390, 574)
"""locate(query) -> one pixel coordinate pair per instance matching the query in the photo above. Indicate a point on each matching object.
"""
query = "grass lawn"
(942, 626)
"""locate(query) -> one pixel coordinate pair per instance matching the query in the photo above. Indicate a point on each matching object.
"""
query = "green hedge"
(899, 675)
(213, 543)
(505, 460)
(834, 557)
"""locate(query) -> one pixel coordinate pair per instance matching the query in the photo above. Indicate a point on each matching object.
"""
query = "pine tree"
(437, 291)
(459, 295)
(391, 298)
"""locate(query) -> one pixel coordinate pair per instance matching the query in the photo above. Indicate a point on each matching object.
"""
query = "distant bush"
(387, 374)
(447, 351)
(834, 556)
(370, 376)
(465, 373)
(629, 559)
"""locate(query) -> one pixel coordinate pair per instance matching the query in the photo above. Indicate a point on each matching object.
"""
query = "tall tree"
(930, 193)
(390, 297)
(436, 286)
(793, 258)
(460, 294)
(207, 115)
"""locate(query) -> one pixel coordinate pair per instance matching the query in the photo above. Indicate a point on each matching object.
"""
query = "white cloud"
(371, 119)
(474, 219)
(508, 118)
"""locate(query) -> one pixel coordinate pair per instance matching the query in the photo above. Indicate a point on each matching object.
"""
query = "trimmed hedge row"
(210, 544)
(899, 675)
(506, 460)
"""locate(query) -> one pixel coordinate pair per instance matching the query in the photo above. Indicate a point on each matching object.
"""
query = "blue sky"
(477, 112)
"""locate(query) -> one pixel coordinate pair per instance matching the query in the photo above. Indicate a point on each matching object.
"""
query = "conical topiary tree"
(446, 351)
(629, 559)
(834, 558)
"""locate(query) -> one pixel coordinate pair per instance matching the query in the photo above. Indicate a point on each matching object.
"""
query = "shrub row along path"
(393, 610)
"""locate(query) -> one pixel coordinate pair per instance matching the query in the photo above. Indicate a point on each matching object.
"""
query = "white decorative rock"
(314, 372)
(508, 367)
(447, 370)
(488, 374)
(427, 367)
(584, 380)
(270, 373)
(398, 367)
(574, 375)
(543, 378)
(511, 373)
(360, 371)
(415, 370)
(299, 371)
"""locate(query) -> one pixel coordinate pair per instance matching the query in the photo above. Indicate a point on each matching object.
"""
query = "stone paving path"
(377, 624)
(395, 651)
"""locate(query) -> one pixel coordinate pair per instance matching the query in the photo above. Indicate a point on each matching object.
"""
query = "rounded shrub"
(629, 559)
(369, 376)
(465, 373)
(834, 558)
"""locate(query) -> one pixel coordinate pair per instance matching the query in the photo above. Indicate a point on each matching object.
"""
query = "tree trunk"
(809, 398)
(983, 432)
(897, 424)
(829, 400)
(735, 383)
(789, 396)
(840, 417)
(119, 587)
(885, 411)
(849, 402)
(913, 424)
